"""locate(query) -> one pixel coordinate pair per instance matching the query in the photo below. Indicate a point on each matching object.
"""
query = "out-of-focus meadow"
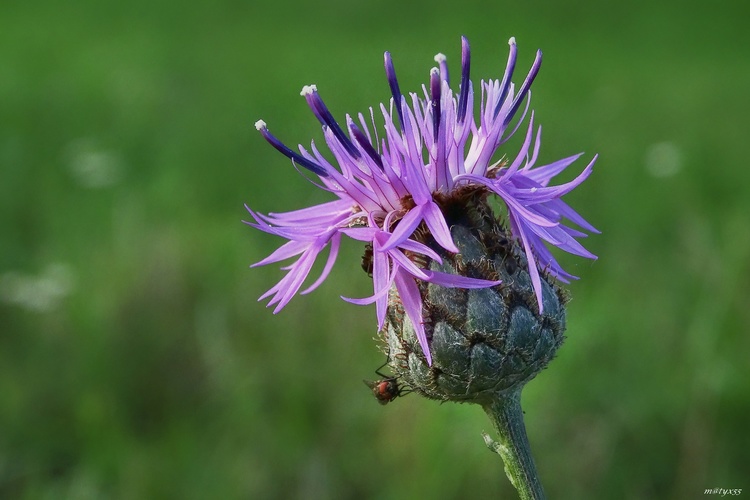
(135, 361)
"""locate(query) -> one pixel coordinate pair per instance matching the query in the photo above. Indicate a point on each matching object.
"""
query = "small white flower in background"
(663, 159)
(40, 293)
(93, 167)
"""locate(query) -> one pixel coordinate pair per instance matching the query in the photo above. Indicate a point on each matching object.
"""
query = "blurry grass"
(160, 376)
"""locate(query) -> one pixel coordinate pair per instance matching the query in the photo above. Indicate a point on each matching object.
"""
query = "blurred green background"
(135, 361)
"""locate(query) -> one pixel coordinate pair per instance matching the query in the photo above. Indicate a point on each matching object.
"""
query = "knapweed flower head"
(392, 185)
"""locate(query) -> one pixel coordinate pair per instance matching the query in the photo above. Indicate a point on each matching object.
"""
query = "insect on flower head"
(387, 388)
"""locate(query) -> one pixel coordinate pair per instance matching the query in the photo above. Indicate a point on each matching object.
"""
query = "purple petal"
(360, 233)
(457, 281)
(335, 243)
(536, 281)
(544, 174)
(522, 153)
(435, 221)
(382, 277)
(564, 210)
(510, 200)
(409, 266)
(368, 300)
(415, 246)
(285, 251)
(412, 301)
(405, 228)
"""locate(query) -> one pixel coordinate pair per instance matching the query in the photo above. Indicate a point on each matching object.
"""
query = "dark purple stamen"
(463, 98)
(526, 86)
(505, 84)
(390, 73)
(442, 61)
(326, 118)
(363, 141)
(435, 95)
(295, 157)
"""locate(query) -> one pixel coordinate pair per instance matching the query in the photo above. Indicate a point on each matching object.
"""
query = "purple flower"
(388, 187)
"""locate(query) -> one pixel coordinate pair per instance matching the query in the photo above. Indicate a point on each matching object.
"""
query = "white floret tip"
(260, 125)
(308, 89)
(440, 57)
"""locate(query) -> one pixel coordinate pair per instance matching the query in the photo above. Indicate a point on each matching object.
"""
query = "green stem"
(513, 446)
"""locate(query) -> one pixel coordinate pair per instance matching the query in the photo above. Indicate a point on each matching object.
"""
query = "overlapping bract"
(387, 187)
